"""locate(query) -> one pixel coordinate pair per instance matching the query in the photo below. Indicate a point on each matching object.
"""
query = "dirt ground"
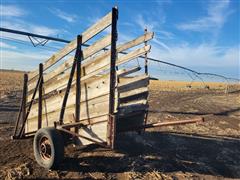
(209, 150)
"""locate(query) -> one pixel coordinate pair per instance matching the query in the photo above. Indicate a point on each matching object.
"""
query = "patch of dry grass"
(168, 85)
(10, 81)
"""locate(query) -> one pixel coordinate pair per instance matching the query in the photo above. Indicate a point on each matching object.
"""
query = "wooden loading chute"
(87, 95)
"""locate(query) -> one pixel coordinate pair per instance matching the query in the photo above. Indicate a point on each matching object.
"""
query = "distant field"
(10, 81)
(168, 85)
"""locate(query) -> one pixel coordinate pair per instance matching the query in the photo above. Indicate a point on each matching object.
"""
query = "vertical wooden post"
(77, 54)
(146, 58)
(25, 89)
(40, 96)
(146, 72)
(21, 132)
(112, 118)
(78, 79)
(22, 110)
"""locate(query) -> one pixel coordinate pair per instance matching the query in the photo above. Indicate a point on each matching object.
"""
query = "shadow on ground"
(221, 113)
(164, 152)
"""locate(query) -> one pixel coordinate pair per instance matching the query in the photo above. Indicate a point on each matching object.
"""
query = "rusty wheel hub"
(45, 148)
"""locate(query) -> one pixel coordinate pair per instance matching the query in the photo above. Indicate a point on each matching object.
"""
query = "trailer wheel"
(48, 147)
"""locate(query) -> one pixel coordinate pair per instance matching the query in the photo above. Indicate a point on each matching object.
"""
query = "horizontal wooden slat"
(84, 122)
(97, 132)
(133, 103)
(94, 69)
(97, 46)
(133, 92)
(60, 84)
(125, 72)
(88, 34)
(127, 88)
(146, 37)
(133, 83)
(120, 48)
(103, 65)
(122, 111)
(67, 64)
(55, 58)
(89, 91)
(32, 125)
(87, 110)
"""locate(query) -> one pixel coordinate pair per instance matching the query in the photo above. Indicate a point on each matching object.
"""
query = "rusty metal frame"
(162, 124)
(112, 116)
(81, 136)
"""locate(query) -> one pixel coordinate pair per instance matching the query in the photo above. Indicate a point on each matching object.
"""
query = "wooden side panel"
(88, 110)
(97, 46)
(133, 83)
(146, 37)
(89, 90)
(67, 64)
(88, 34)
(92, 70)
(133, 93)
(97, 132)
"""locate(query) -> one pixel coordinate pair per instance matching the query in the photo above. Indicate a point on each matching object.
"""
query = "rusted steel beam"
(162, 124)
(22, 110)
(40, 90)
(111, 122)
(78, 79)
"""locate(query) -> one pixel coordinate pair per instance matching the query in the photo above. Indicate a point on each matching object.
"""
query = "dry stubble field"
(210, 150)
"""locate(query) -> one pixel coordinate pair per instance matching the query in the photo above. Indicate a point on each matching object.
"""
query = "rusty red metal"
(162, 124)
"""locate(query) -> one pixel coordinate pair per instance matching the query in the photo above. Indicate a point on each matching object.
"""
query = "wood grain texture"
(88, 34)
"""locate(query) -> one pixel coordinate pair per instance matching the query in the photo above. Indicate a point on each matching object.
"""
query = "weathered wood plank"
(98, 132)
(133, 92)
(88, 110)
(67, 64)
(103, 65)
(122, 111)
(146, 37)
(133, 83)
(88, 34)
(125, 72)
(94, 69)
(89, 91)
(94, 48)
(125, 89)
(61, 81)
(88, 121)
(31, 126)
(133, 103)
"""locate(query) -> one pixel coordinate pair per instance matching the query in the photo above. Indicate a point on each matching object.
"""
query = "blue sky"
(203, 35)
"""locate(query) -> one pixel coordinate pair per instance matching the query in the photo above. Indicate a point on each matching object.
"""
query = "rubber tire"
(57, 147)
